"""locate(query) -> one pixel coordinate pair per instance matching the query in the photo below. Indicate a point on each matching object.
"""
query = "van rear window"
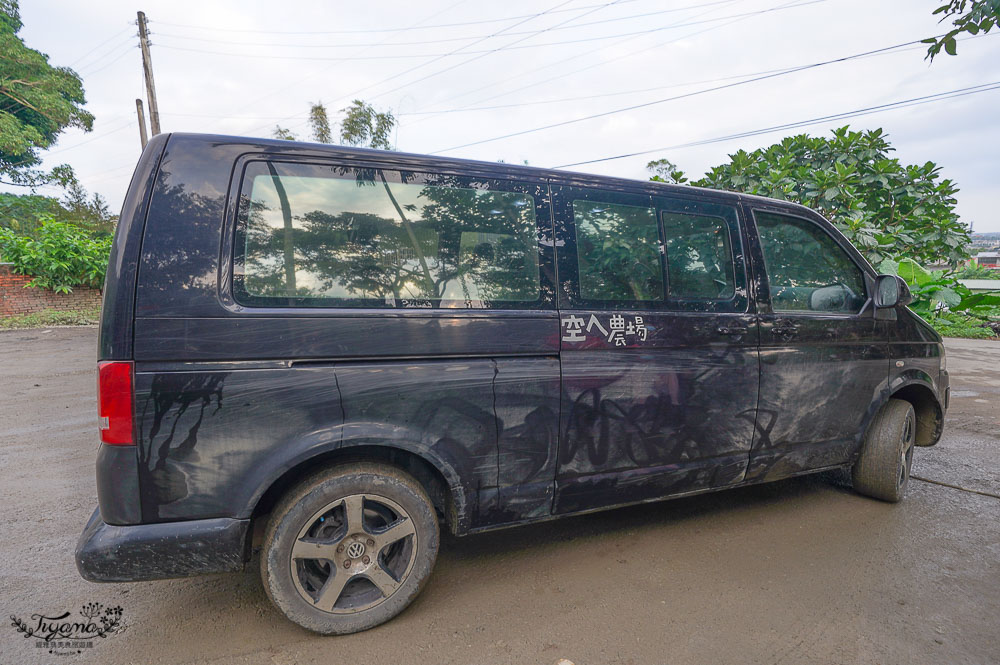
(344, 237)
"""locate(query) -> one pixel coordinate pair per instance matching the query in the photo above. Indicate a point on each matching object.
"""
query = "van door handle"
(732, 330)
(785, 330)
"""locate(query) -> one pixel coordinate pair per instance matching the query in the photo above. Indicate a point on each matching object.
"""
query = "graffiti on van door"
(617, 329)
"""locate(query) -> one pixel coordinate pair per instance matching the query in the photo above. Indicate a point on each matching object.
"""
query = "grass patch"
(51, 317)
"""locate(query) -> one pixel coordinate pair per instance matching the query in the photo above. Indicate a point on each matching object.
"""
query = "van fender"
(904, 382)
(298, 450)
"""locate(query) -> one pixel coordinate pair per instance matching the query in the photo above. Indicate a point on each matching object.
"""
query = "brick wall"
(16, 300)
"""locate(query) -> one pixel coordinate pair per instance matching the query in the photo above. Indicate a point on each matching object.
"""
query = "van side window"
(345, 237)
(699, 257)
(807, 270)
(618, 252)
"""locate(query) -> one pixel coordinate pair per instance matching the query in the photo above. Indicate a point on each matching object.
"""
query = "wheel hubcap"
(353, 553)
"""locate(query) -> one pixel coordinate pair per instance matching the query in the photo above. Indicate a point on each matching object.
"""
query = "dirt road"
(801, 571)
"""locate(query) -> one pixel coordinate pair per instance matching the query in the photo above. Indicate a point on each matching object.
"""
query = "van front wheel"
(349, 548)
(883, 469)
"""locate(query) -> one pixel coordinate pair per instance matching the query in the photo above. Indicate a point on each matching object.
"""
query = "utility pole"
(142, 122)
(147, 70)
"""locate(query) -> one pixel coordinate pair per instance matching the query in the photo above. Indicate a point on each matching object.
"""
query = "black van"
(326, 352)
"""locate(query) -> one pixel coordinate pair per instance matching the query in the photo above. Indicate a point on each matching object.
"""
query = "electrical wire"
(613, 19)
(914, 101)
(507, 47)
(112, 37)
(384, 30)
(655, 102)
(561, 76)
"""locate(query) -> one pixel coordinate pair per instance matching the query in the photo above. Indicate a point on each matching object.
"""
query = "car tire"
(883, 469)
(349, 548)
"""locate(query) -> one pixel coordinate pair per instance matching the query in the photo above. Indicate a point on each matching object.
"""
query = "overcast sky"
(241, 67)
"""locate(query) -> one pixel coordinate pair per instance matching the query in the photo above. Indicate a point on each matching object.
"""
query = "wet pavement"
(797, 571)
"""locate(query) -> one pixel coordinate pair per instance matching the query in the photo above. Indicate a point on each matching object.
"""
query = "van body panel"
(527, 399)
(207, 440)
(378, 335)
(118, 297)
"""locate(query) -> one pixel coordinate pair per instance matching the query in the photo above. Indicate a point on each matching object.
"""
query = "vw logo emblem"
(355, 550)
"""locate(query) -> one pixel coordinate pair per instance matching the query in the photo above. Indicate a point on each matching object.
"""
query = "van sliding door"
(658, 347)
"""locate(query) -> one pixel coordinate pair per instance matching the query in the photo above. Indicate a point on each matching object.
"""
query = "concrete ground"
(801, 571)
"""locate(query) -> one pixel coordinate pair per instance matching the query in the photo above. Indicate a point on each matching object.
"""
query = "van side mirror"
(891, 291)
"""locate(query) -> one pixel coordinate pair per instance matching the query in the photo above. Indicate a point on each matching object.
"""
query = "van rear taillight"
(114, 402)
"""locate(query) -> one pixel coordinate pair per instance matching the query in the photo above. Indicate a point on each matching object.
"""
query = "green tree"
(88, 211)
(664, 170)
(886, 208)
(37, 102)
(280, 132)
(364, 126)
(320, 123)
(971, 16)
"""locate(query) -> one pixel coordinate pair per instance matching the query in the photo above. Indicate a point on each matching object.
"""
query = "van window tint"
(806, 269)
(618, 252)
(363, 241)
(699, 257)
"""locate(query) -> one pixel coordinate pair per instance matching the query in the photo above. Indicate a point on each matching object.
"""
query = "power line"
(116, 48)
(128, 49)
(563, 75)
(427, 18)
(488, 52)
(914, 101)
(384, 30)
(914, 46)
(481, 52)
(655, 102)
(433, 60)
(112, 37)
(613, 19)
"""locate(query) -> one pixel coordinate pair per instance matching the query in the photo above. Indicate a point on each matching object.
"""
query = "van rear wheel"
(349, 548)
(883, 469)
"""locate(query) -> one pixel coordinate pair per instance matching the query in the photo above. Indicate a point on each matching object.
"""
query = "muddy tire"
(349, 548)
(883, 469)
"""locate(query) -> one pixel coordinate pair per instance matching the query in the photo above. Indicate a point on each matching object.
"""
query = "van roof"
(459, 164)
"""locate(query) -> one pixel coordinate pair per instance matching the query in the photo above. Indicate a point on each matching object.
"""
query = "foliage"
(24, 213)
(88, 212)
(37, 102)
(52, 317)
(945, 303)
(665, 170)
(280, 132)
(976, 271)
(60, 257)
(320, 123)
(884, 207)
(971, 16)
(961, 325)
(364, 126)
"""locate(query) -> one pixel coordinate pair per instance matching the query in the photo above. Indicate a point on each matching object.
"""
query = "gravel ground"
(800, 571)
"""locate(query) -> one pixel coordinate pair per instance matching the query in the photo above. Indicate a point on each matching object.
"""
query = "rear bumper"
(107, 553)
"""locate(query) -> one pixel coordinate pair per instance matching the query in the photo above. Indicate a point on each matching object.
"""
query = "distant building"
(981, 285)
(987, 259)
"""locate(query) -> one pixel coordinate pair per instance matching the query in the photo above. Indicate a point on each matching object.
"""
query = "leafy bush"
(59, 257)
(941, 300)
(884, 207)
(975, 271)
